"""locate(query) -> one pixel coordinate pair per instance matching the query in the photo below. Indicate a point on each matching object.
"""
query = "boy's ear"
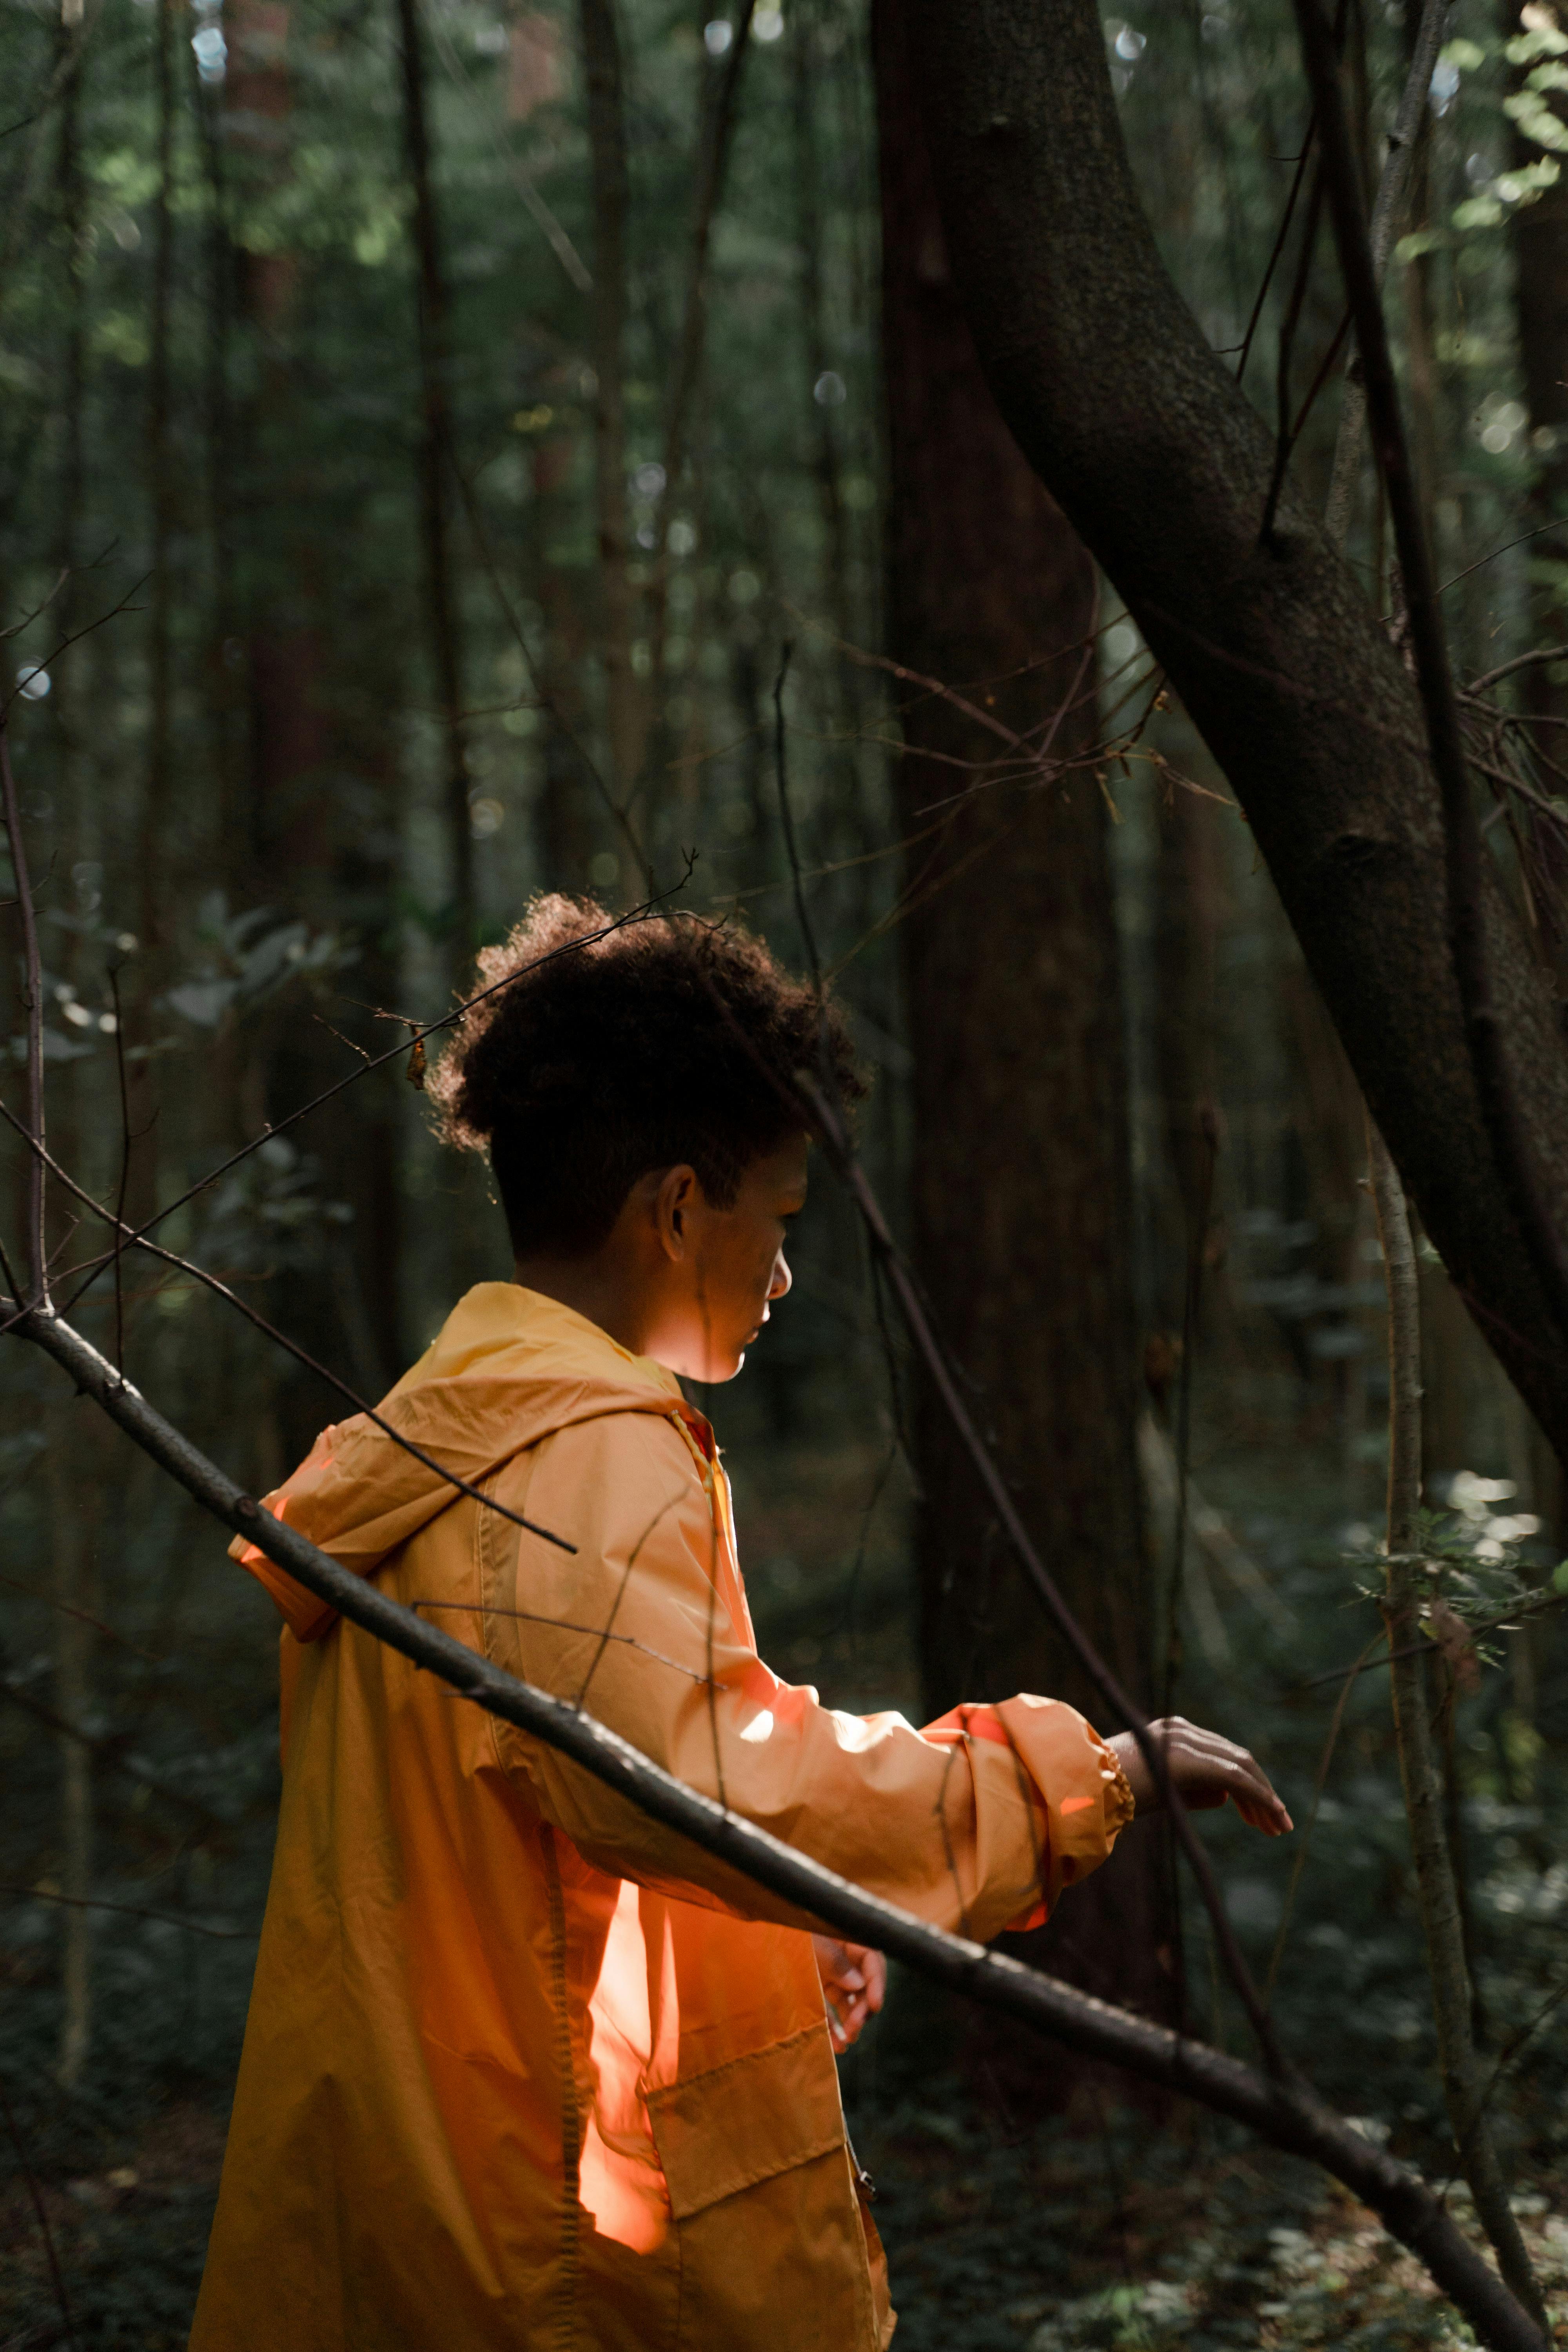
(678, 1193)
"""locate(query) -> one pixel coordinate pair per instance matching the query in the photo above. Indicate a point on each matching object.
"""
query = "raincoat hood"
(507, 1368)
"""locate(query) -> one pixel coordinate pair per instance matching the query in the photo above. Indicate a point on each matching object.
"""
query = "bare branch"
(1386, 213)
(33, 990)
(124, 1238)
(1287, 2115)
(638, 914)
(1036, 1574)
(132, 1911)
(41, 2216)
(717, 128)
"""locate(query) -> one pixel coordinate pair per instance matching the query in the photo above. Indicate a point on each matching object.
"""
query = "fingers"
(1217, 1768)
(854, 1982)
(1207, 1769)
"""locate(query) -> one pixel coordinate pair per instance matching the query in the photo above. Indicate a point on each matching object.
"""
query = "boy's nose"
(783, 1279)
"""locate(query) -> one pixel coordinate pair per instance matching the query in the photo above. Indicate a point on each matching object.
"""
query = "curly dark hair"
(668, 1040)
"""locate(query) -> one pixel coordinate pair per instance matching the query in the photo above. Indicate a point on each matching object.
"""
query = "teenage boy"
(522, 2067)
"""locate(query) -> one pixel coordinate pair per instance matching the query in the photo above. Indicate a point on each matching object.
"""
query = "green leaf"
(1544, 41)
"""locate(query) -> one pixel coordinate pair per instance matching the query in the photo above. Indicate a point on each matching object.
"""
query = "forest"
(1057, 524)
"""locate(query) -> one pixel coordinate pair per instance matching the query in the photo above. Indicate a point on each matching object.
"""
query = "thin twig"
(786, 818)
(1037, 1575)
(125, 1238)
(40, 2216)
(1207, 1128)
(74, 637)
(1287, 325)
(130, 1911)
(1278, 247)
(124, 1174)
(111, 1746)
(718, 129)
(639, 914)
(1304, 1843)
(1521, 661)
(1387, 211)
(65, 1609)
(832, 1130)
(1507, 1623)
(555, 235)
(33, 990)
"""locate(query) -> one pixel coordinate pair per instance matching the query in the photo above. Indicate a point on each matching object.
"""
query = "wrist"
(1135, 1771)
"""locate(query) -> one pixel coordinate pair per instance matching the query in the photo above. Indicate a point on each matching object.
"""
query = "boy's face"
(724, 1266)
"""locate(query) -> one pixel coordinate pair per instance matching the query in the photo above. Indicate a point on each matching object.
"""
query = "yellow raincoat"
(524, 2068)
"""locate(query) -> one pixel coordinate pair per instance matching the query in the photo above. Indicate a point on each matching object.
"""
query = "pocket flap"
(741, 2123)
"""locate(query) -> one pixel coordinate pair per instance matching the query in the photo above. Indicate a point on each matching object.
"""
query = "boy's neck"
(596, 1291)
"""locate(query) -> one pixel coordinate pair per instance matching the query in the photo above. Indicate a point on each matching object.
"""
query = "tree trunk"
(1189, 893)
(320, 700)
(73, 1702)
(1021, 1187)
(159, 887)
(565, 828)
(611, 198)
(436, 457)
(1138, 429)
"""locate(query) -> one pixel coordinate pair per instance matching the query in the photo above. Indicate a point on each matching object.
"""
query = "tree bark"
(1164, 467)
(1021, 1188)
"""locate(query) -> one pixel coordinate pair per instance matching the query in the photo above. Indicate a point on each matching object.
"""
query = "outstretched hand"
(854, 1982)
(1204, 1770)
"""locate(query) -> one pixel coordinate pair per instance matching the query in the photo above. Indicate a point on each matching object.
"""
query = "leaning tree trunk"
(1021, 1204)
(1137, 427)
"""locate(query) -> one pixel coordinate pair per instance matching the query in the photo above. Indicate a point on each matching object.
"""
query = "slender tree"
(610, 199)
(1021, 1188)
(436, 456)
(156, 830)
(72, 1644)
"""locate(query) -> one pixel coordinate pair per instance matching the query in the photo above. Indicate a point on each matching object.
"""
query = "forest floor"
(1076, 2234)
(1097, 2230)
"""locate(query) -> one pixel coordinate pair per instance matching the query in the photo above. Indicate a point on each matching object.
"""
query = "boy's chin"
(710, 1372)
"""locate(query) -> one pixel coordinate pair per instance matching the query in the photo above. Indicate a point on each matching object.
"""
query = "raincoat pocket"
(742, 2123)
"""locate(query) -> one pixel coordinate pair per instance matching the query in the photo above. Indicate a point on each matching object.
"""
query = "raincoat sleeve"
(975, 1823)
